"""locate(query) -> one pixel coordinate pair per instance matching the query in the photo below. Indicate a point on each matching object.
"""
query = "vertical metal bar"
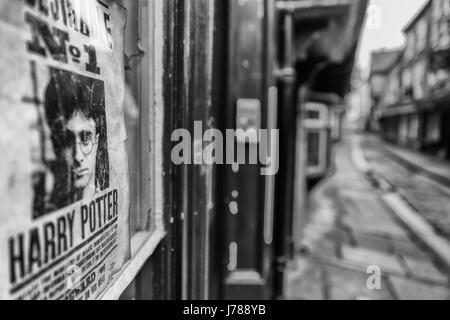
(285, 177)
(219, 106)
(270, 180)
(288, 40)
(210, 177)
(185, 215)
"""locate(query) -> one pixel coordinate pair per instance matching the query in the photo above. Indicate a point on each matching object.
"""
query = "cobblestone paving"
(429, 198)
(350, 229)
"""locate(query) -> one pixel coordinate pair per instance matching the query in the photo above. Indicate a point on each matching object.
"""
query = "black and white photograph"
(75, 114)
(236, 158)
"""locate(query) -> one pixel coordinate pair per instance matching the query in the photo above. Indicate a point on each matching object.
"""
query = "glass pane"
(132, 110)
(313, 148)
(313, 114)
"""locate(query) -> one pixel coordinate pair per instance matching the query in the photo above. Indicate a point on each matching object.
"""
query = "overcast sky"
(384, 30)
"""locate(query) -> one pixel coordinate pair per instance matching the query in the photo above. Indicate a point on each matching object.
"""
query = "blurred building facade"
(358, 103)
(410, 88)
(198, 229)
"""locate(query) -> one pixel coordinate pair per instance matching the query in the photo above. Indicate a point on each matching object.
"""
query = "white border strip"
(119, 284)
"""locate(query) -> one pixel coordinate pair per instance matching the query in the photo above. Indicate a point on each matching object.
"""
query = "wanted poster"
(64, 193)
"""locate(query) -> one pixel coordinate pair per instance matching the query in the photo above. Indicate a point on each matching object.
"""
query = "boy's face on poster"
(80, 151)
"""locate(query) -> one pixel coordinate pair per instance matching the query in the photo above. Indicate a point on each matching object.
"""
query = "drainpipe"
(286, 78)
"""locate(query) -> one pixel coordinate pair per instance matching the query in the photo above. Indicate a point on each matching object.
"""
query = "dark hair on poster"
(75, 114)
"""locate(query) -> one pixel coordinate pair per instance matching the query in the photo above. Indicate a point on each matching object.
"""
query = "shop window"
(146, 228)
(135, 122)
(317, 127)
(313, 148)
(433, 133)
(313, 114)
(84, 133)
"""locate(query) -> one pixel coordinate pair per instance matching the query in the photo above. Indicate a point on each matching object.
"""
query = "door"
(246, 195)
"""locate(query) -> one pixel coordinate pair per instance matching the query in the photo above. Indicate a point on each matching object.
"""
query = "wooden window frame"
(144, 243)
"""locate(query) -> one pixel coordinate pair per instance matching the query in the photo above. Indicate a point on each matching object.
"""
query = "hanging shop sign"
(64, 194)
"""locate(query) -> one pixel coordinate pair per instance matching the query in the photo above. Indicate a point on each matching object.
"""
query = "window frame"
(144, 243)
(320, 126)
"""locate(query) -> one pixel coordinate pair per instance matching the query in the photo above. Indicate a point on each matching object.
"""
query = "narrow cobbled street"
(353, 236)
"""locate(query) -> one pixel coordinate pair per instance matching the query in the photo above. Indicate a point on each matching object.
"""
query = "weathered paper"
(64, 192)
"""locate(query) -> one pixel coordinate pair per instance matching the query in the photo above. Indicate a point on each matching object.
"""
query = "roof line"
(417, 16)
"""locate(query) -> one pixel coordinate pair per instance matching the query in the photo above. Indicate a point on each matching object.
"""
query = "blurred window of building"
(442, 75)
(431, 79)
(433, 132)
(407, 84)
(410, 45)
(403, 129)
(419, 79)
(434, 34)
(377, 83)
(413, 134)
(440, 27)
(392, 87)
(422, 30)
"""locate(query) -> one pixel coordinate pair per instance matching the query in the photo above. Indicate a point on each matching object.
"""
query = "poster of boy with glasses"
(75, 114)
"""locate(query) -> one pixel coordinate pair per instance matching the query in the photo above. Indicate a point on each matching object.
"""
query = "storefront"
(85, 135)
(96, 200)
